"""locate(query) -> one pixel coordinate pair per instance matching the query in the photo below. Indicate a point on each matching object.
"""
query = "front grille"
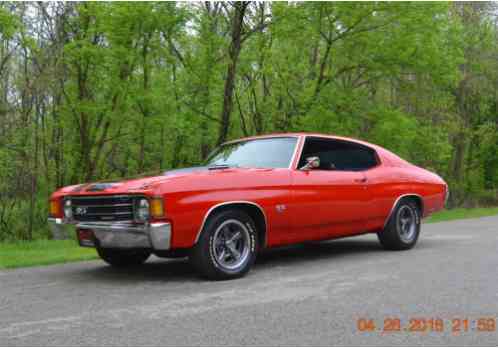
(103, 208)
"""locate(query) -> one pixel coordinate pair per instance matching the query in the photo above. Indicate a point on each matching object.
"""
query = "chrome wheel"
(407, 221)
(231, 244)
(227, 246)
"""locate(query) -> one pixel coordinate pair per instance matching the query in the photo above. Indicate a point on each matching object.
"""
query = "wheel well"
(418, 201)
(253, 210)
(412, 197)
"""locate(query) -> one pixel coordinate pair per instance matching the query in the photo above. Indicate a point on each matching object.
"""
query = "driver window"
(338, 154)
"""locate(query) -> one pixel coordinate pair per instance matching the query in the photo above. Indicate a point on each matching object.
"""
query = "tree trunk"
(233, 53)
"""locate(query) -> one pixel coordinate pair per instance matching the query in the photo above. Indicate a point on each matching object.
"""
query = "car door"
(331, 200)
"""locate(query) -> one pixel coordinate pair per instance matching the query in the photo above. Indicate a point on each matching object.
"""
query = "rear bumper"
(155, 236)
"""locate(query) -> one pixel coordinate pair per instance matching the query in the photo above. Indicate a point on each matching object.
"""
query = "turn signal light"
(156, 207)
(55, 208)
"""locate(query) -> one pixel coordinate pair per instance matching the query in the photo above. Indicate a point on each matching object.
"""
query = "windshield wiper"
(220, 166)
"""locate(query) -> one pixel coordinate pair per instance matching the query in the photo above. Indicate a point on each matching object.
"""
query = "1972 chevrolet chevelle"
(251, 194)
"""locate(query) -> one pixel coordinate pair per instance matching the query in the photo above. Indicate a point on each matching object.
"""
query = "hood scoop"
(101, 186)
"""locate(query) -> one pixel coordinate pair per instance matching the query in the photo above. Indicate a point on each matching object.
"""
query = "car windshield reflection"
(255, 153)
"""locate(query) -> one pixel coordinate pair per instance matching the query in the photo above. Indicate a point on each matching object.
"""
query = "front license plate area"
(86, 237)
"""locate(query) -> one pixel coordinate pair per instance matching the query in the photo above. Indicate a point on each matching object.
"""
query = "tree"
(100, 91)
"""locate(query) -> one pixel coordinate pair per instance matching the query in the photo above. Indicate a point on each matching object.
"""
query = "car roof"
(387, 157)
(308, 134)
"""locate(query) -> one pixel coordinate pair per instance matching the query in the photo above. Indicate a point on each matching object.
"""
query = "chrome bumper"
(155, 236)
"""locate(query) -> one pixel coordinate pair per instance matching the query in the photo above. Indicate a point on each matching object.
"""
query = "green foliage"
(461, 213)
(98, 90)
(9, 23)
(43, 252)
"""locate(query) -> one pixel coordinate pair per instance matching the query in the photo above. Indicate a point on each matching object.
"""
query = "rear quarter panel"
(398, 177)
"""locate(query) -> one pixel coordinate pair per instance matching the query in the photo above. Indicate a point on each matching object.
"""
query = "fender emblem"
(280, 208)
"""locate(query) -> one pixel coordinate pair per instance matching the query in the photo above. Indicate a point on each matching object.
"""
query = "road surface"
(304, 295)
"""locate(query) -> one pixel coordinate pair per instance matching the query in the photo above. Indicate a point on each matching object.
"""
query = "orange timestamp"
(430, 324)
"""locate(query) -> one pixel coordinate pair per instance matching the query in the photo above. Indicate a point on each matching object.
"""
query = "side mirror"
(311, 163)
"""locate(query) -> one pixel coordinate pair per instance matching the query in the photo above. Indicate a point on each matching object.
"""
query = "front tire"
(403, 227)
(227, 246)
(123, 258)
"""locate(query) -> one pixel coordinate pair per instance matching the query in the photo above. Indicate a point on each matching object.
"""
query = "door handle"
(362, 180)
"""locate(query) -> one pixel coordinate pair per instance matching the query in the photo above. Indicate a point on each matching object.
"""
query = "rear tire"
(123, 258)
(227, 246)
(403, 227)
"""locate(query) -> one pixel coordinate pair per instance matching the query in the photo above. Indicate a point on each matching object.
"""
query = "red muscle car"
(252, 193)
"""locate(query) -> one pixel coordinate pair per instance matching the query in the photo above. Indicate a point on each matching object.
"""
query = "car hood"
(172, 180)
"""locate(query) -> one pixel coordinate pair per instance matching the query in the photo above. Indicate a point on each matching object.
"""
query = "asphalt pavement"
(303, 295)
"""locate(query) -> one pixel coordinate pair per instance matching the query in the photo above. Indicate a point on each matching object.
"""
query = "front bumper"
(155, 236)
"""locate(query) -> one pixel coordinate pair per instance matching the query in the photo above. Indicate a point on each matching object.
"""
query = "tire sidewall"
(122, 258)
(209, 233)
(413, 207)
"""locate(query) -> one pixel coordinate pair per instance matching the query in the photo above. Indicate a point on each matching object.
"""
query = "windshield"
(257, 153)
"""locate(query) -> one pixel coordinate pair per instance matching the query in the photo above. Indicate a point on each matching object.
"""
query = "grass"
(42, 252)
(47, 252)
(461, 213)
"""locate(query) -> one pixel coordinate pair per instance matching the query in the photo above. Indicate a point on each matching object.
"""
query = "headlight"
(68, 209)
(142, 210)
